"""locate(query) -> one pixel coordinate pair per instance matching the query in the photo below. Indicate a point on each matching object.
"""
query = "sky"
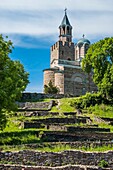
(32, 26)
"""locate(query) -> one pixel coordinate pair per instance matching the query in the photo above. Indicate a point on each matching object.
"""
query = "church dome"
(83, 41)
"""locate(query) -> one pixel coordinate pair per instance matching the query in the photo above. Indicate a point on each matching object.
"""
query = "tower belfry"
(65, 29)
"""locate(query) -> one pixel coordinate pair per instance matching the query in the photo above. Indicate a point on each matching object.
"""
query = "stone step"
(58, 136)
(87, 129)
(59, 120)
(40, 113)
(32, 106)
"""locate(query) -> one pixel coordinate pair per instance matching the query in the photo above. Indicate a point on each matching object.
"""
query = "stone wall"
(36, 96)
(66, 120)
(56, 136)
(87, 129)
(35, 105)
(77, 82)
(57, 159)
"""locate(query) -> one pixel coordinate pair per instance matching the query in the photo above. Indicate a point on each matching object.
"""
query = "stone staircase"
(60, 129)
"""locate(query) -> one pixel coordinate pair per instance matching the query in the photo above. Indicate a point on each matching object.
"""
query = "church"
(65, 70)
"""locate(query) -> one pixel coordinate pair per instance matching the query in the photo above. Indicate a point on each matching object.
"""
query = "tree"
(99, 59)
(50, 89)
(13, 80)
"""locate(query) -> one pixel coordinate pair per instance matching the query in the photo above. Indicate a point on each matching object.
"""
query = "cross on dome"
(65, 11)
(83, 35)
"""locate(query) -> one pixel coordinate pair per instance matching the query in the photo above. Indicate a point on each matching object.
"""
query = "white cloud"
(41, 18)
(49, 4)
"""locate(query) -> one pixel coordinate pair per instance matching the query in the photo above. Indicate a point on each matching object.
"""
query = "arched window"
(69, 59)
(63, 30)
(68, 30)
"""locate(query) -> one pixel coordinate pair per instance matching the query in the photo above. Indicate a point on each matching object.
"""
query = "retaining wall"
(56, 159)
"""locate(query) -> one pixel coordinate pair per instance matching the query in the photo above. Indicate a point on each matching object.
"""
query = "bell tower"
(63, 49)
(65, 29)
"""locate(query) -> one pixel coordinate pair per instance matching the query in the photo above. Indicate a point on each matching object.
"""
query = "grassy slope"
(14, 124)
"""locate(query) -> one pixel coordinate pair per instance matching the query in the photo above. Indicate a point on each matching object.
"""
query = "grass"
(48, 147)
(65, 105)
(15, 134)
(102, 110)
(19, 137)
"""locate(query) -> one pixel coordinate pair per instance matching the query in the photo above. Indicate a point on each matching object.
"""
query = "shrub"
(50, 89)
(103, 164)
(88, 100)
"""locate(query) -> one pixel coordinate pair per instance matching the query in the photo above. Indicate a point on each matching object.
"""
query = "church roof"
(83, 41)
(65, 21)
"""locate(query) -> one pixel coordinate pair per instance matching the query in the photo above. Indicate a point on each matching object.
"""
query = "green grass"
(15, 134)
(48, 147)
(19, 137)
(102, 110)
(65, 105)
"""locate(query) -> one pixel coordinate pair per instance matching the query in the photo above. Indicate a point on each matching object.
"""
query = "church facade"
(65, 63)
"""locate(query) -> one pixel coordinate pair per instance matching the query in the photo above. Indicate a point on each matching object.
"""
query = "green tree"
(99, 59)
(13, 80)
(50, 89)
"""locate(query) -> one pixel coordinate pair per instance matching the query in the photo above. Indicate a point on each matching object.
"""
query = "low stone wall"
(37, 96)
(35, 105)
(56, 159)
(87, 129)
(70, 113)
(57, 128)
(36, 123)
(68, 167)
(74, 129)
(58, 136)
(66, 120)
(27, 125)
(41, 113)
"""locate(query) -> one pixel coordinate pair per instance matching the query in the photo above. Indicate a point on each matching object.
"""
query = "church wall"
(76, 82)
(59, 81)
(76, 52)
(49, 76)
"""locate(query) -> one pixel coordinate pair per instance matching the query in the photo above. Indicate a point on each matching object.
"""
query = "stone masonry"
(50, 159)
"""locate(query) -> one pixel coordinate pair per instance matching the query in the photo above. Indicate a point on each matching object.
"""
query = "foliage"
(103, 164)
(13, 80)
(102, 110)
(87, 100)
(50, 89)
(99, 59)
(18, 137)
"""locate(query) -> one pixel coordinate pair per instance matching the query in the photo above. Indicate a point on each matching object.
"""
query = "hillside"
(55, 129)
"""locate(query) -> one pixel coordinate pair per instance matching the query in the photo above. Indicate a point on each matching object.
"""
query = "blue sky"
(32, 25)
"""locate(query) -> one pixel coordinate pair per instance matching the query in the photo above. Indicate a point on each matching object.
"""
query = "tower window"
(62, 52)
(63, 30)
(67, 30)
(68, 39)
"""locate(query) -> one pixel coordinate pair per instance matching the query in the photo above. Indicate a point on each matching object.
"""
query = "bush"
(103, 164)
(88, 100)
(50, 89)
